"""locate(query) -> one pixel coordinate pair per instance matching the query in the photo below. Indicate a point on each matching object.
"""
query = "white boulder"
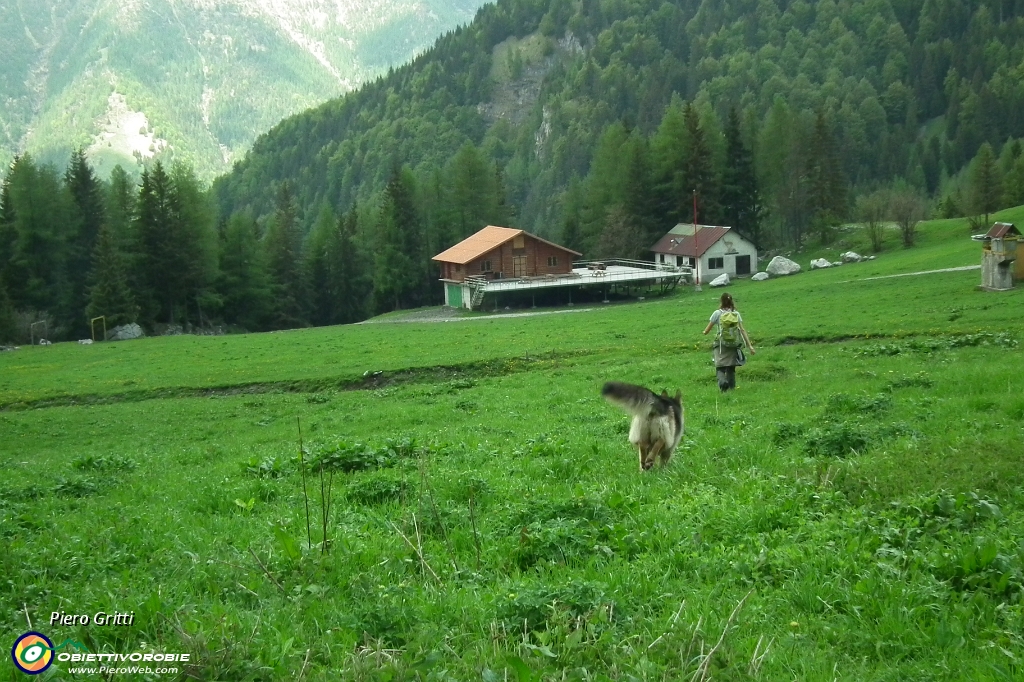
(126, 332)
(720, 281)
(782, 266)
(819, 263)
(850, 257)
(759, 277)
(85, 342)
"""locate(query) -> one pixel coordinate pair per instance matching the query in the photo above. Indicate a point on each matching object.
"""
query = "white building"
(710, 249)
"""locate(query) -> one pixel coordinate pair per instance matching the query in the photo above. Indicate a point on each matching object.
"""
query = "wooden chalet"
(496, 253)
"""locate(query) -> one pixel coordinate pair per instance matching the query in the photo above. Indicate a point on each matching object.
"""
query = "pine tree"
(638, 203)
(244, 284)
(741, 199)
(41, 210)
(8, 230)
(284, 258)
(165, 256)
(698, 174)
(827, 191)
(199, 244)
(986, 189)
(120, 209)
(7, 320)
(88, 217)
(397, 262)
(109, 294)
(668, 156)
(351, 282)
(321, 249)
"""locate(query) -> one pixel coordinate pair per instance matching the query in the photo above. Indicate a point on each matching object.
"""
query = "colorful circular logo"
(32, 653)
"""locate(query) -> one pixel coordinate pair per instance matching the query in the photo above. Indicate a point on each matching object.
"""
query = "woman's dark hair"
(727, 303)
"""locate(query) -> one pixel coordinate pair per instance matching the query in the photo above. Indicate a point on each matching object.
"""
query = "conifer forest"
(591, 123)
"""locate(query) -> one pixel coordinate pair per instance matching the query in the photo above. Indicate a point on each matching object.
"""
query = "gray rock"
(782, 266)
(760, 277)
(126, 332)
(850, 257)
(819, 263)
(720, 281)
(85, 342)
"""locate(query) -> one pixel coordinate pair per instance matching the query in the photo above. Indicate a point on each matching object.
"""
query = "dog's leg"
(653, 453)
(665, 456)
(643, 457)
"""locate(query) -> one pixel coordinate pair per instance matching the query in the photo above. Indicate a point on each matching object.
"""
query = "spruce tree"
(321, 249)
(164, 257)
(7, 320)
(698, 174)
(109, 294)
(986, 189)
(350, 277)
(37, 277)
(88, 217)
(741, 198)
(284, 260)
(8, 230)
(826, 186)
(198, 245)
(638, 203)
(397, 259)
(244, 285)
(120, 208)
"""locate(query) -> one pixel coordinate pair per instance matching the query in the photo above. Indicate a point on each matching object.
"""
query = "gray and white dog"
(658, 420)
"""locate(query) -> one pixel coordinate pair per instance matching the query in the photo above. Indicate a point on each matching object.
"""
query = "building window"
(552, 261)
(485, 266)
(716, 263)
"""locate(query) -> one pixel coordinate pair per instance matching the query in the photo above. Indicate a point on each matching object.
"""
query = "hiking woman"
(729, 343)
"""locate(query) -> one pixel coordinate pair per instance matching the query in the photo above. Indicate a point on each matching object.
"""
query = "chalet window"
(552, 261)
(716, 263)
(485, 266)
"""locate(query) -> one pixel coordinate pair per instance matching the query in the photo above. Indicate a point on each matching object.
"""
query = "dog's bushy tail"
(635, 400)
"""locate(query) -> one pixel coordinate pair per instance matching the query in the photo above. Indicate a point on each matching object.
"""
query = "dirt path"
(911, 274)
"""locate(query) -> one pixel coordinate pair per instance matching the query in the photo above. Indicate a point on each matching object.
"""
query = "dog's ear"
(679, 395)
(664, 393)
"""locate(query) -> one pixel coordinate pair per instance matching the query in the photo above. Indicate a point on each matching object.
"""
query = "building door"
(519, 266)
(742, 265)
(454, 295)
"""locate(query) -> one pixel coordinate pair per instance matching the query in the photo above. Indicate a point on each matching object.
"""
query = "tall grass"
(853, 511)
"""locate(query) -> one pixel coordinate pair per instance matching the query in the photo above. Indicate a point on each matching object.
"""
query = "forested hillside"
(192, 80)
(833, 100)
(594, 123)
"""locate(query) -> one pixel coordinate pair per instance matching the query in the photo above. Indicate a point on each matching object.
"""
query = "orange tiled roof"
(485, 241)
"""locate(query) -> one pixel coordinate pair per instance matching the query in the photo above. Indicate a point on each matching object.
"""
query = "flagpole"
(696, 249)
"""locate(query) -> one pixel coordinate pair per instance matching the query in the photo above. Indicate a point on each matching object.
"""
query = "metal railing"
(585, 273)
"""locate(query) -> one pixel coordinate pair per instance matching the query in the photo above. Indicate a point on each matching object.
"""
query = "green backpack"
(729, 323)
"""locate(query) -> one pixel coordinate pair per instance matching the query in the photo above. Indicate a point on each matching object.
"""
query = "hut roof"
(681, 242)
(1001, 230)
(485, 241)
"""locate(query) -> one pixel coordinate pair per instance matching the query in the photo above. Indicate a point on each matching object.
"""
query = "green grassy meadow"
(854, 511)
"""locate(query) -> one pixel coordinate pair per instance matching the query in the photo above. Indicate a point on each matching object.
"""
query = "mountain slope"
(192, 79)
(908, 91)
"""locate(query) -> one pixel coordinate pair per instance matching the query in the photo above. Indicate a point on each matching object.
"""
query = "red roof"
(485, 241)
(1000, 230)
(695, 245)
